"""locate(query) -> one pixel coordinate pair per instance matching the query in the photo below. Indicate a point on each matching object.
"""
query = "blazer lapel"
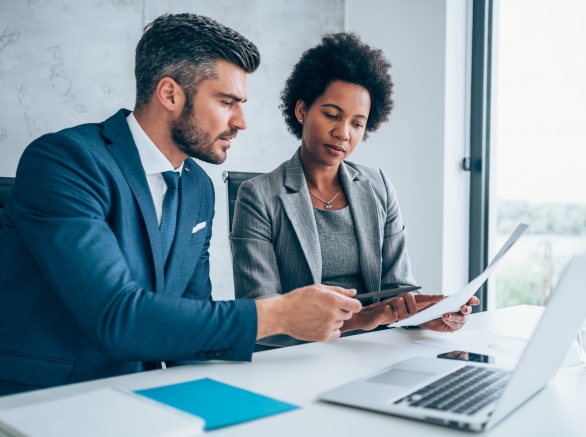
(363, 206)
(125, 153)
(299, 210)
(189, 208)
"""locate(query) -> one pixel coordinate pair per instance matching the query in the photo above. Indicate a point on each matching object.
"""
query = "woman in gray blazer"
(318, 218)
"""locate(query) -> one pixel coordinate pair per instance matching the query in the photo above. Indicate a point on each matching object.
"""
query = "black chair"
(5, 187)
(233, 179)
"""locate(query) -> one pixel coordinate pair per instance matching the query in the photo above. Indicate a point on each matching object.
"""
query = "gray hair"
(185, 48)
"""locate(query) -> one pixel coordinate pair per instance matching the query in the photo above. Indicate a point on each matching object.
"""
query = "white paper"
(507, 350)
(454, 302)
(112, 412)
(478, 342)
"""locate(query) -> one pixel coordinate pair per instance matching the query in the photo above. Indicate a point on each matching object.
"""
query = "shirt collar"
(152, 159)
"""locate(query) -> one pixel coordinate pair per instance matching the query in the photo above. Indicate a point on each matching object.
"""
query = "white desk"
(298, 374)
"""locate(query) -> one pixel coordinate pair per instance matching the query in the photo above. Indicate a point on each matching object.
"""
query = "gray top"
(339, 249)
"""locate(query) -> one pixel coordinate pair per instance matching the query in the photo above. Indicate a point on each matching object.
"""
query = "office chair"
(233, 179)
(5, 187)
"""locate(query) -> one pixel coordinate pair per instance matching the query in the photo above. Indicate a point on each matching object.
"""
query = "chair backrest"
(5, 187)
(233, 179)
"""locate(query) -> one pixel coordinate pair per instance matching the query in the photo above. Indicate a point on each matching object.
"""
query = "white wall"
(422, 146)
(68, 62)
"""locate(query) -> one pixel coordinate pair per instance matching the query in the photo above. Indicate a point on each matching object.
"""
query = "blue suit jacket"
(84, 293)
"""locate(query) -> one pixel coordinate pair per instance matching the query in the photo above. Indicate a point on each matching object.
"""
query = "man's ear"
(300, 111)
(170, 95)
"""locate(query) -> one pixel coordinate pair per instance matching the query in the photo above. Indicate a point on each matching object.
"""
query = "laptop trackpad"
(403, 378)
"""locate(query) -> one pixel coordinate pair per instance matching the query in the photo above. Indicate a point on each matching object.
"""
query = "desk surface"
(298, 374)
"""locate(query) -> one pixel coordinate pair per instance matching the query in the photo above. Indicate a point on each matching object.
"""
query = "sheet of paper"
(507, 350)
(454, 302)
(478, 342)
(111, 412)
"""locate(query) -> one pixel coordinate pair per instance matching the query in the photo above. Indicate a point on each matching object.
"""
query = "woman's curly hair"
(339, 56)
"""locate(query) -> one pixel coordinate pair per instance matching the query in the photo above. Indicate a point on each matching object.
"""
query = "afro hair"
(339, 56)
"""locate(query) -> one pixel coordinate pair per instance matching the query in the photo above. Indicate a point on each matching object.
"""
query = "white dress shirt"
(153, 162)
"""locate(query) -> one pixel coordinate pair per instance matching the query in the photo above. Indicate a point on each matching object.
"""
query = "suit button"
(228, 353)
(219, 354)
(200, 355)
(209, 354)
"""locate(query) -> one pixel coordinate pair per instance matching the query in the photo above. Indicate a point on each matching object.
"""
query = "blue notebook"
(217, 403)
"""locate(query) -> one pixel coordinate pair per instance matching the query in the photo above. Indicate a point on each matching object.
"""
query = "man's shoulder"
(198, 172)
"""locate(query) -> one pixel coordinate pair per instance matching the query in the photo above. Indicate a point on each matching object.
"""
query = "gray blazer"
(274, 239)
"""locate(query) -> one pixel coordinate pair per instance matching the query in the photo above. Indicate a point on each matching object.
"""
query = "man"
(104, 264)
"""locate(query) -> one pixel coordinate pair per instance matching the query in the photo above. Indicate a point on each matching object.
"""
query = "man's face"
(205, 128)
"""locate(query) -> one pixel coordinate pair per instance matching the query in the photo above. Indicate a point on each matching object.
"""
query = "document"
(478, 342)
(506, 350)
(454, 302)
(112, 412)
(217, 403)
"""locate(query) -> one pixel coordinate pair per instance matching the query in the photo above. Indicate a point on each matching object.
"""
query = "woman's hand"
(452, 322)
(389, 311)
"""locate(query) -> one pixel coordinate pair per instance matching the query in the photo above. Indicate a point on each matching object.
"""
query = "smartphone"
(467, 356)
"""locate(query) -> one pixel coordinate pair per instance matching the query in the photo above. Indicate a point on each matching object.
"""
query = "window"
(538, 144)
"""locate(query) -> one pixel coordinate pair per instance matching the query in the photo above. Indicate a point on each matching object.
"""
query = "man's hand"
(389, 311)
(452, 322)
(312, 313)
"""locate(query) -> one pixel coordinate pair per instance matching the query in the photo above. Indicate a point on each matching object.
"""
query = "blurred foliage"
(544, 218)
(519, 283)
(559, 232)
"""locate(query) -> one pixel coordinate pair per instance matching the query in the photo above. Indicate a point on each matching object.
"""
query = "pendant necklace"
(328, 203)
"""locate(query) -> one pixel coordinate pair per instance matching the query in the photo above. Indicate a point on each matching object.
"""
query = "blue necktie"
(169, 217)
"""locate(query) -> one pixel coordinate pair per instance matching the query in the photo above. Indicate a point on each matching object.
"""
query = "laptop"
(476, 396)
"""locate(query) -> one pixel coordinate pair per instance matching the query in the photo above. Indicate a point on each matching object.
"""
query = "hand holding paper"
(454, 302)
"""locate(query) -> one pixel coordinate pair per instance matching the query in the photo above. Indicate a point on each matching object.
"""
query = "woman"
(318, 218)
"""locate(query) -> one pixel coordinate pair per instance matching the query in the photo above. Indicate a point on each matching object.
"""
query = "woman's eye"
(227, 103)
(331, 116)
(358, 125)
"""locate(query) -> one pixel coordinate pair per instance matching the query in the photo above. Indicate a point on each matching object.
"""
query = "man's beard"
(196, 143)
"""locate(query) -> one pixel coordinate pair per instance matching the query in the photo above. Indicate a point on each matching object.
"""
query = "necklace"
(328, 206)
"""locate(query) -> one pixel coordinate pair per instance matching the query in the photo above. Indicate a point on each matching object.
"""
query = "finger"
(333, 335)
(466, 309)
(393, 314)
(400, 308)
(424, 300)
(344, 315)
(350, 292)
(410, 303)
(347, 303)
(454, 321)
(457, 318)
(385, 316)
(473, 301)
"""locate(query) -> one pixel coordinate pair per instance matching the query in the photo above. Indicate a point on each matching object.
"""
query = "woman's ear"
(300, 111)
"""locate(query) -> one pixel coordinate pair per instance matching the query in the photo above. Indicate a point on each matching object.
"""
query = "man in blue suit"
(104, 264)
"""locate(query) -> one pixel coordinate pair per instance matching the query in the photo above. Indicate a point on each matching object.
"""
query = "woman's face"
(334, 124)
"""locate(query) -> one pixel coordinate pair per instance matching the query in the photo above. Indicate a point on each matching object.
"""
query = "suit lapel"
(189, 208)
(125, 154)
(298, 208)
(363, 206)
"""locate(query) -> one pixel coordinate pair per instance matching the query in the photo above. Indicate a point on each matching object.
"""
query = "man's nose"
(239, 119)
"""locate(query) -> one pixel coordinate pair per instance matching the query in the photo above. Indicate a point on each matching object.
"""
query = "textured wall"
(68, 62)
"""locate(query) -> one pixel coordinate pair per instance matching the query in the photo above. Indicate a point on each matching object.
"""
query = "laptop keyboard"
(465, 391)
